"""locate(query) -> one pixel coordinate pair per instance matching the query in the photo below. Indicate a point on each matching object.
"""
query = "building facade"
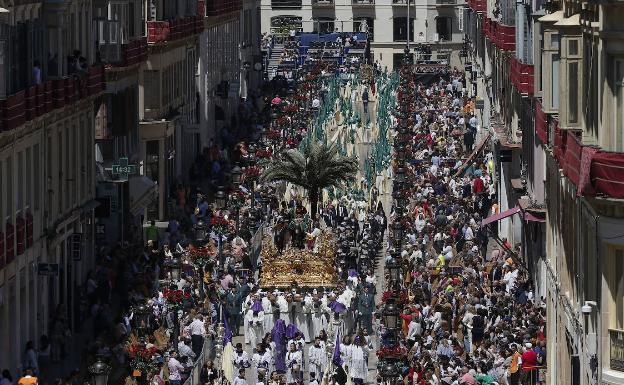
(438, 24)
(50, 81)
(550, 79)
(104, 106)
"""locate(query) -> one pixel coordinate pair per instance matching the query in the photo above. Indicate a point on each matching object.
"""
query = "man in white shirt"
(185, 350)
(197, 330)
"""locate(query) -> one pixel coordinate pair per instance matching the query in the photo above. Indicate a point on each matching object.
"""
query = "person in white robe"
(256, 358)
(267, 308)
(358, 368)
(294, 361)
(301, 318)
(317, 359)
(255, 330)
(283, 306)
(346, 351)
(319, 316)
(246, 305)
(240, 358)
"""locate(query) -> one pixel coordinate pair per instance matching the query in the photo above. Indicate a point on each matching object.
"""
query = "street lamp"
(200, 231)
(220, 199)
(236, 175)
(99, 372)
(394, 268)
(389, 372)
(172, 268)
(391, 318)
(141, 314)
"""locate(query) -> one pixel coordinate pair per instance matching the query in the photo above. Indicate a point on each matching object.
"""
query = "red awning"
(533, 218)
(499, 216)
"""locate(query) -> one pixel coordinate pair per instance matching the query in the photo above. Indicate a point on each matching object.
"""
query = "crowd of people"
(466, 316)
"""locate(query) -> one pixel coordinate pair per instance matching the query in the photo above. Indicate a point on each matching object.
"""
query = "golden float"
(308, 268)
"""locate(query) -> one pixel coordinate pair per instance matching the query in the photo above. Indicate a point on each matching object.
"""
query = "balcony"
(603, 177)
(223, 7)
(522, 77)
(446, 2)
(285, 4)
(479, 6)
(124, 55)
(502, 36)
(322, 4)
(35, 101)
(616, 349)
(362, 3)
(403, 2)
(172, 30)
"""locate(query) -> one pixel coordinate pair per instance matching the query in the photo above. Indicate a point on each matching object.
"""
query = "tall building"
(437, 23)
(50, 82)
(104, 106)
(230, 62)
(550, 79)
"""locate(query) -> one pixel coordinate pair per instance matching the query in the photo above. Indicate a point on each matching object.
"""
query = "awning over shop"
(90, 205)
(533, 218)
(142, 191)
(499, 216)
(474, 153)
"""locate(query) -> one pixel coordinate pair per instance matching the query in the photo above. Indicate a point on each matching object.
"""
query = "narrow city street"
(311, 192)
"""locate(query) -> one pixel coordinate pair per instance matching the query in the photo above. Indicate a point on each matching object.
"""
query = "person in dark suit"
(365, 308)
(233, 307)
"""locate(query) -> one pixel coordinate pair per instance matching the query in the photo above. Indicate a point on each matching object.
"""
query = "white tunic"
(358, 367)
(267, 307)
(294, 362)
(255, 328)
(317, 360)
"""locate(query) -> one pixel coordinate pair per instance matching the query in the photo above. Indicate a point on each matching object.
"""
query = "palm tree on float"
(318, 166)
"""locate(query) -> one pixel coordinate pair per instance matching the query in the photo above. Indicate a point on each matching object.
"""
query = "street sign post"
(48, 269)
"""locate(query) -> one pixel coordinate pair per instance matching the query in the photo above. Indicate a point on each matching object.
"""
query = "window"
(36, 176)
(364, 24)
(151, 90)
(573, 92)
(323, 25)
(400, 29)
(286, 3)
(617, 288)
(444, 28)
(9, 192)
(20, 180)
(573, 80)
(29, 175)
(618, 82)
(554, 82)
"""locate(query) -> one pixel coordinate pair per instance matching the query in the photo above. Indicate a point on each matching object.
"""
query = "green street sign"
(123, 169)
